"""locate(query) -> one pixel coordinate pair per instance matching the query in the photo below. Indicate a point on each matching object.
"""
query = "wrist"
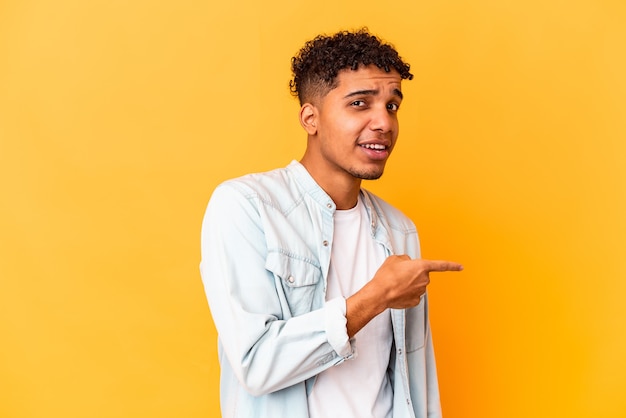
(362, 307)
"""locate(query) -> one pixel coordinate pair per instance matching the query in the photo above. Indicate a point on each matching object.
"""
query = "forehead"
(367, 76)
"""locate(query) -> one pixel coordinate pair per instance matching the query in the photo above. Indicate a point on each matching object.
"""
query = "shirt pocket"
(298, 282)
(415, 328)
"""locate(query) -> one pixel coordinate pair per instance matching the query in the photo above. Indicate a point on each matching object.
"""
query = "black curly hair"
(316, 65)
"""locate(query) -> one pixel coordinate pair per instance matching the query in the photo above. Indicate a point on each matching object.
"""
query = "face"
(356, 124)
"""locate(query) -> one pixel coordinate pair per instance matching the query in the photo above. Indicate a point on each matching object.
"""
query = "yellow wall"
(117, 119)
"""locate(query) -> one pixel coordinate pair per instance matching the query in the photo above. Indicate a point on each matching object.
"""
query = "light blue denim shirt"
(266, 245)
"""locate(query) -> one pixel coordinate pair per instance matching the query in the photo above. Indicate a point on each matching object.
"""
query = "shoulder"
(258, 183)
(275, 188)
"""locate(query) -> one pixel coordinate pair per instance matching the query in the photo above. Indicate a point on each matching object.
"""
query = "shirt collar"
(310, 186)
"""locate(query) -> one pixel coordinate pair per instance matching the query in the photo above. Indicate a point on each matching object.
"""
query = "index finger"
(442, 265)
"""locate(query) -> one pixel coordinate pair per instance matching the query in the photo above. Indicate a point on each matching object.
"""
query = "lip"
(376, 141)
(375, 154)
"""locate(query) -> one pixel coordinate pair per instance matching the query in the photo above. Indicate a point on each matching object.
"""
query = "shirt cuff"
(336, 328)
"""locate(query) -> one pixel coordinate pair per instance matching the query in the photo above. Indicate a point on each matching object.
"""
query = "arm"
(266, 352)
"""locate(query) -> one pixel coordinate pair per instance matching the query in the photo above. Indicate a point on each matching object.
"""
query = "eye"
(393, 107)
(358, 103)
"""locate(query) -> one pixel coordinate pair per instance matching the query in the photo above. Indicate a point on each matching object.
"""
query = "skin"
(361, 112)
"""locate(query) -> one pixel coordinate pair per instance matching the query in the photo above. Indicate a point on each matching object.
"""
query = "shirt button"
(291, 279)
(329, 205)
(325, 243)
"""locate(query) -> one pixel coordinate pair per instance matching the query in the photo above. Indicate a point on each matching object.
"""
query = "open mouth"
(376, 147)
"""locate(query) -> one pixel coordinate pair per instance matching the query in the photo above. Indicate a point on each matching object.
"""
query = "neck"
(342, 189)
(344, 200)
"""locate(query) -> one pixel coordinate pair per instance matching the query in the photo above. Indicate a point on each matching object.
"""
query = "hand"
(401, 281)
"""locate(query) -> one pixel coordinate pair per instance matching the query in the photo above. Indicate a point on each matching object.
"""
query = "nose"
(382, 120)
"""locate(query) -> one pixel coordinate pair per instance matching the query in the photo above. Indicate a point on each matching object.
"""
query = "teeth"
(374, 146)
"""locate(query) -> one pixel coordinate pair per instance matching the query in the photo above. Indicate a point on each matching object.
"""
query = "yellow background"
(117, 120)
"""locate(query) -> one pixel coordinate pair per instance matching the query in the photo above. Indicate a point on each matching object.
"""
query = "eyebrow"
(396, 92)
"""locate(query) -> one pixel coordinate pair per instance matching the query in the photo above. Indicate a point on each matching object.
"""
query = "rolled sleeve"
(336, 328)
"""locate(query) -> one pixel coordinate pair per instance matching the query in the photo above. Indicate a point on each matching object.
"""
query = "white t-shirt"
(358, 387)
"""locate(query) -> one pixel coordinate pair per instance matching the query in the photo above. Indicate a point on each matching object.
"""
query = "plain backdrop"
(119, 118)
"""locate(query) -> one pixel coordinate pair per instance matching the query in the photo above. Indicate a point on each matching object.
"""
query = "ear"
(308, 118)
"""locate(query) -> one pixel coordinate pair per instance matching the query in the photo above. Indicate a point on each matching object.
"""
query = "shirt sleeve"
(336, 328)
(266, 350)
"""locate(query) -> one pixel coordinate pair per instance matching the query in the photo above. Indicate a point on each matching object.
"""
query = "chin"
(368, 174)
(372, 177)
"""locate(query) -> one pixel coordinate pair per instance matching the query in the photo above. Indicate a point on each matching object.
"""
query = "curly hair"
(316, 65)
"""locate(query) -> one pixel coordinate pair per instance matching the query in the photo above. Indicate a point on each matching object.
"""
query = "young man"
(315, 285)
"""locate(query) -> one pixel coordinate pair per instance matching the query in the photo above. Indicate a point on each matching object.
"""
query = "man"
(315, 285)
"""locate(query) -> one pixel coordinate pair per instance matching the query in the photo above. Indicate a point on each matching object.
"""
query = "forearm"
(286, 353)
(362, 307)
(267, 353)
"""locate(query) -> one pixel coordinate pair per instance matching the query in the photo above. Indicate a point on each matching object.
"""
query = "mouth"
(376, 147)
(376, 152)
